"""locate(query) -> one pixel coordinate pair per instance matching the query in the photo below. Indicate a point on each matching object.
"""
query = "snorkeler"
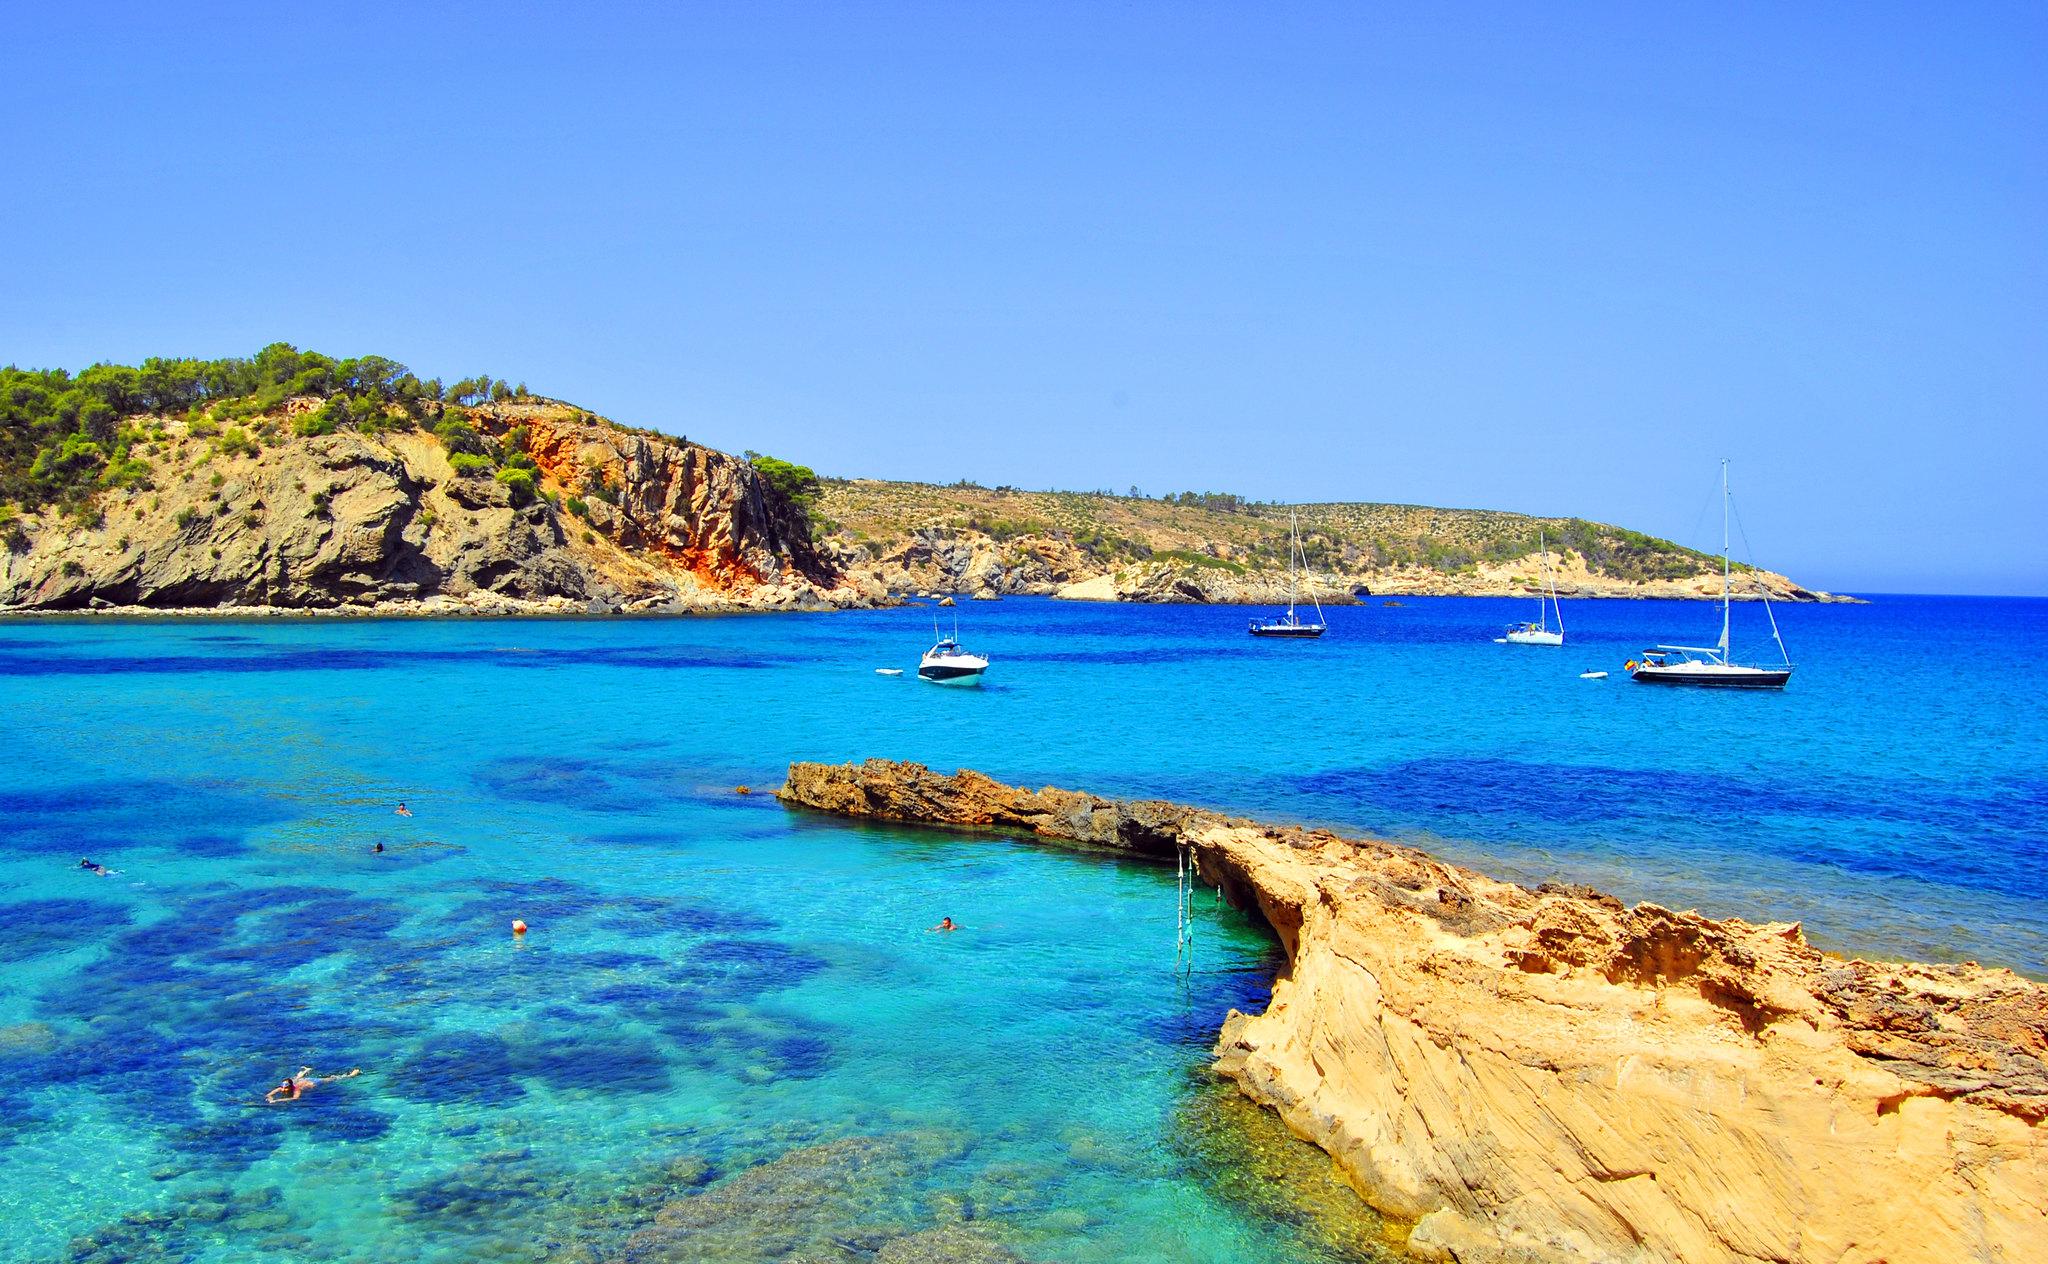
(945, 923)
(402, 810)
(90, 867)
(295, 1087)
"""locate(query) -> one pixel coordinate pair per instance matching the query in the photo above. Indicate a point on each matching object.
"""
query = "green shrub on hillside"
(457, 435)
(797, 484)
(469, 464)
(1188, 557)
(235, 441)
(60, 432)
(519, 483)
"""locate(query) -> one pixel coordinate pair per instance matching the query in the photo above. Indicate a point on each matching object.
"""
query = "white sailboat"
(1539, 632)
(1710, 666)
(1290, 625)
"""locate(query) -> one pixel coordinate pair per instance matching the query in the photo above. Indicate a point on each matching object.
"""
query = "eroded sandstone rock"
(1548, 1074)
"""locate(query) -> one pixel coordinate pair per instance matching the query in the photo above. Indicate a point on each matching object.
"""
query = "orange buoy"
(518, 927)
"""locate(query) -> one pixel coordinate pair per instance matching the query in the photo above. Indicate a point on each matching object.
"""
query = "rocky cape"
(920, 538)
(1549, 1075)
(383, 523)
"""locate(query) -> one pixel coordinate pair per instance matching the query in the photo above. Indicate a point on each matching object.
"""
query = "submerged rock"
(1550, 1074)
(854, 1198)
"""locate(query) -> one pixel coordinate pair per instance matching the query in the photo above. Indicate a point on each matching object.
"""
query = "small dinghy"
(888, 671)
(1592, 675)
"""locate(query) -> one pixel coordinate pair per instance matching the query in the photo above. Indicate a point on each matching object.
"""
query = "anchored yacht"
(1710, 666)
(947, 664)
(1539, 632)
(1291, 624)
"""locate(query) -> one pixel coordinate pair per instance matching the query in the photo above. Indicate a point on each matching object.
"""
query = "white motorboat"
(1539, 632)
(947, 664)
(1710, 666)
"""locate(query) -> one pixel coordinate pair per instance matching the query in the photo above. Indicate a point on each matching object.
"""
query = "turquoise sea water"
(728, 1035)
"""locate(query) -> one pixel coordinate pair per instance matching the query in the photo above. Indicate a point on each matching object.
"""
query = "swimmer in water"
(945, 923)
(295, 1087)
(90, 867)
(402, 810)
(378, 850)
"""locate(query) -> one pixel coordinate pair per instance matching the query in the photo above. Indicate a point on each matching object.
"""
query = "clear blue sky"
(1549, 258)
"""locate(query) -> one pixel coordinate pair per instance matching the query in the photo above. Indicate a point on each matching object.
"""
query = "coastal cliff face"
(383, 521)
(911, 537)
(1547, 1074)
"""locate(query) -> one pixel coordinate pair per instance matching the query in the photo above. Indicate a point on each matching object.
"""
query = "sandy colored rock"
(1547, 1074)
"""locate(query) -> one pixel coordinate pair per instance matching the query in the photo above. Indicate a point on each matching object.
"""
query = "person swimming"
(378, 850)
(945, 923)
(402, 810)
(90, 867)
(295, 1086)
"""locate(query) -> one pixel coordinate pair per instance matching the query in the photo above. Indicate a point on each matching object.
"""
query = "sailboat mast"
(1293, 574)
(1550, 581)
(1724, 558)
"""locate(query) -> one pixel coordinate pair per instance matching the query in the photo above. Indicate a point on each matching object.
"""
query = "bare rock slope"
(1548, 1075)
(384, 521)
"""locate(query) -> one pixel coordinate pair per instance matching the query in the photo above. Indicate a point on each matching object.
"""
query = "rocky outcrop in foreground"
(1548, 1075)
(385, 523)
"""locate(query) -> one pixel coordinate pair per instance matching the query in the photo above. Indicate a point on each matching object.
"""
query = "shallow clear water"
(729, 1032)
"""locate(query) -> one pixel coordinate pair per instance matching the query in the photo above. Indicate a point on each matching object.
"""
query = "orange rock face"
(702, 512)
(1547, 1074)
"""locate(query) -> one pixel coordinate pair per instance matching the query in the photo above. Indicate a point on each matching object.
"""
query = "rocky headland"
(1547, 1074)
(395, 521)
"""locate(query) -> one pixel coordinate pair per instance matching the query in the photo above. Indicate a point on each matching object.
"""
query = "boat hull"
(1290, 634)
(1535, 638)
(946, 674)
(1713, 677)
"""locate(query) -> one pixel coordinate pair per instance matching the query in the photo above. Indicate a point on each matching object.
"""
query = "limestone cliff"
(382, 520)
(1548, 1075)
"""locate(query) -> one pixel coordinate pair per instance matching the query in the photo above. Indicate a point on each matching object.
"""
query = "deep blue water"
(723, 1009)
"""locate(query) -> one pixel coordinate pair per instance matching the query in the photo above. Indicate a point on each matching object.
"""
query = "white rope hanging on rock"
(1184, 911)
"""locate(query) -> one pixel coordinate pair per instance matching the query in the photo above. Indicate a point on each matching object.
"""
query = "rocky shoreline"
(1547, 1074)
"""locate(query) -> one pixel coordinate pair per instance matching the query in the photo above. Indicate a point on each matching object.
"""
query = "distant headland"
(294, 482)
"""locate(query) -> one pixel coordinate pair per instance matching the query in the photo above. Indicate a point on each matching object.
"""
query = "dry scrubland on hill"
(1096, 546)
(292, 481)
